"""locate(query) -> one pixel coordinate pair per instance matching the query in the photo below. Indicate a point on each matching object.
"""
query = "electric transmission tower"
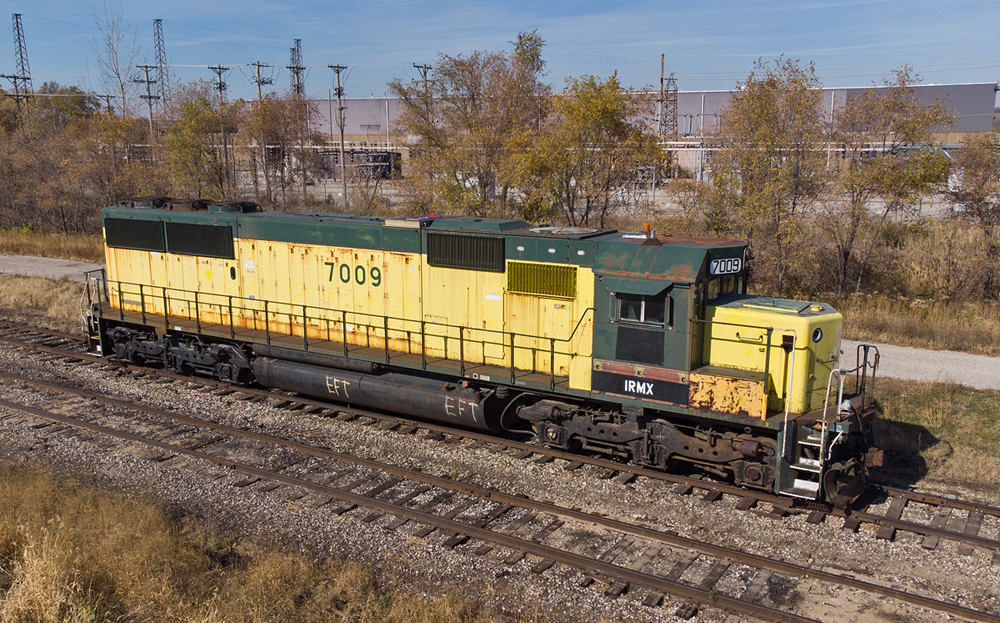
(670, 109)
(161, 61)
(21, 79)
(297, 69)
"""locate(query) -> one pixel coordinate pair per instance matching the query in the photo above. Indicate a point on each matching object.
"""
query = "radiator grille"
(124, 233)
(542, 279)
(203, 240)
(471, 252)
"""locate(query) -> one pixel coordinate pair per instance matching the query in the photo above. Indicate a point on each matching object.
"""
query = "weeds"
(940, 430)
(938, 325)
(39, 300)
(68, 553)
(27, 241)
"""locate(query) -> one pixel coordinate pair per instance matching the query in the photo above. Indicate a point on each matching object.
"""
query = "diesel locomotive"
(639, 346)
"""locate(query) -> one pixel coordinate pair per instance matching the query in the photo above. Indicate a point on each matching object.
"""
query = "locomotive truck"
(639, 346)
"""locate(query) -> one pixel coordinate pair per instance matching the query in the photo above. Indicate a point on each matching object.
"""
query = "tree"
(277, 128)
(59, 105)
(768, 170)
(116, 48)
(194, 144)
(587, 155)
(975, 193)
(468, 122)
(887, 163)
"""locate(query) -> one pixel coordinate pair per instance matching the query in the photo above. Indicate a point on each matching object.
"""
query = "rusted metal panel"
(647, 372)
(735, 396)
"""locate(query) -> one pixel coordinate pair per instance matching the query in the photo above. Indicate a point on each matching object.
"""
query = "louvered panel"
(470, 252)
(542, 279)
(124, 233)
(202, 240)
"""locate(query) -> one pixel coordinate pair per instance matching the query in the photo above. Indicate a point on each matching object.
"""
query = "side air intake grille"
(542, 279)
(471, 252)
(203, 240)
(124, 233)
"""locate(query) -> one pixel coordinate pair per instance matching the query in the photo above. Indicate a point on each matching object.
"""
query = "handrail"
(576, 327)
(249, 308)
(842, 376)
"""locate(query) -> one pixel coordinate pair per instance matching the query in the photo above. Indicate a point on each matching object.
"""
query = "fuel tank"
(454, 403)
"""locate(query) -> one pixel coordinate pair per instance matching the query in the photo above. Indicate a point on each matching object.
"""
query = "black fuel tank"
(394, 392)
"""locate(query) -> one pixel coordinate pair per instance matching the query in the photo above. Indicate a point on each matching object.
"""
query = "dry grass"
(69, 553)
(70, 246)
(38, 300)
(942, 431)
(938, 325)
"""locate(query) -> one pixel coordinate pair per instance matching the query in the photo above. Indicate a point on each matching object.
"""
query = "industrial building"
(373, 140)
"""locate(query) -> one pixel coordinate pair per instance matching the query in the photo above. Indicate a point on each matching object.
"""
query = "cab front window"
(723, 286)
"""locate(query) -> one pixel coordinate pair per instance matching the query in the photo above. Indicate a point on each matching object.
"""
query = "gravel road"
(55, 268)
(904, 362)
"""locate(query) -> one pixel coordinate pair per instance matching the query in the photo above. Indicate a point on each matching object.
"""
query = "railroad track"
(630, 556)
(936, 518)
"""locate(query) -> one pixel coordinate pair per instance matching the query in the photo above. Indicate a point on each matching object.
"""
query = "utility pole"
(161, 61)
(298, 89)
(149, 97)
(340, 122)
(659, 126)
(220, 86)
(424, 70)
(258, 80)
(107, 101)
(297, 68)
(21, 80)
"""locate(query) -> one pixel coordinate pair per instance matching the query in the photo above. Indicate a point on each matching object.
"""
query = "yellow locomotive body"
(630, 344)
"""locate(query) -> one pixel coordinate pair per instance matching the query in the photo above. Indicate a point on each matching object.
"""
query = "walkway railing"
(343, 331)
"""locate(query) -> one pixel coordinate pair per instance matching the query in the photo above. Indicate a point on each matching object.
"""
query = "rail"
(342, 330)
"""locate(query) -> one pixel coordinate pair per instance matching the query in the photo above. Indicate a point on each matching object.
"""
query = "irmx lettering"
(638, 387)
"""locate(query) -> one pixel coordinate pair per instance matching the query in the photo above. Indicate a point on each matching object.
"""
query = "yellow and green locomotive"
(639, 346)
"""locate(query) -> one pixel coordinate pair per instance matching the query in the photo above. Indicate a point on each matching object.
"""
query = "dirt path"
(45, 267)
(904, 362)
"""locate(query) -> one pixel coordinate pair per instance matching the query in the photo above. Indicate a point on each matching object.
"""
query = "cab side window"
(645, 309)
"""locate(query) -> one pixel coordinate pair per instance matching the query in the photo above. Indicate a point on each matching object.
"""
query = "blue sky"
(708, 45)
